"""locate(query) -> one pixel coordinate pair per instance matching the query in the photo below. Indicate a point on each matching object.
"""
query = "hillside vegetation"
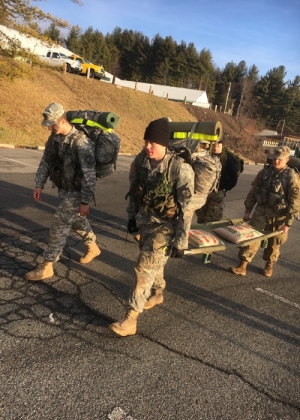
(22, 103)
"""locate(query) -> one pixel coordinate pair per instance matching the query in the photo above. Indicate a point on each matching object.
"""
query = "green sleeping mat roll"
(105, 119)
(204, 130)
(108, 119)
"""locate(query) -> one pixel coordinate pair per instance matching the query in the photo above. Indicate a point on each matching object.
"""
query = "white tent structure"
(33, 44)
(192, 96)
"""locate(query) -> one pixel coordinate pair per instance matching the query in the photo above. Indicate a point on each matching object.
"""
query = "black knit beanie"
(158, 131)
(222, 140)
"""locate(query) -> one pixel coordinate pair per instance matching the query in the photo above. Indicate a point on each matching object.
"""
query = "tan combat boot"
(126, 326)
(156, 299)
(92, 252)
(268, 270)
(240, 269)
(137, 238)
(41, 272)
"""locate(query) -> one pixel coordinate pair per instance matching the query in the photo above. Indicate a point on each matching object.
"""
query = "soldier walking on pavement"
(275, 196)
(160, 200)
(213, 208)
(69, 161)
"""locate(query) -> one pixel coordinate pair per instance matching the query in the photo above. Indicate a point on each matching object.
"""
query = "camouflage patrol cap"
(52, 114)
(281, 152)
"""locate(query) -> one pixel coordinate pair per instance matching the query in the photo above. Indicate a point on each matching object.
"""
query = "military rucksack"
(207, 168)
(98, 126)
(239, 162)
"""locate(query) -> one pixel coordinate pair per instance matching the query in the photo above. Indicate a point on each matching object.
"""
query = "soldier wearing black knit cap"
(160, 200)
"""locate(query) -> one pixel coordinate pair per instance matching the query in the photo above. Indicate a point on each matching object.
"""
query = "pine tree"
(88, 47)
(291, 107)
(53, 33)
(101, 50)
(270, 92)
(163, 52)
(207, 73)
(73, 41)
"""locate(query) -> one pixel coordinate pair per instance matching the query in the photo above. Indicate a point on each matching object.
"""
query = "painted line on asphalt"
(17, 161)
(289, 302)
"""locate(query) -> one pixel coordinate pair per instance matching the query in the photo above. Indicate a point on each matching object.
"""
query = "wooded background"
(270, 100)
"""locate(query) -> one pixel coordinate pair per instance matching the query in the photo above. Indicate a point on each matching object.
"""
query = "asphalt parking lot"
(220, 346)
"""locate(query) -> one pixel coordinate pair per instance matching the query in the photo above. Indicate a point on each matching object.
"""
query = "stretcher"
(207, 251)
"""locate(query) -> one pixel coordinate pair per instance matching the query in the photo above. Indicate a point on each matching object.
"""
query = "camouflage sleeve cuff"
(85, 199)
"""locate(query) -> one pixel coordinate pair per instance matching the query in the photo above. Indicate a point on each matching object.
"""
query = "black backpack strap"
(173, 167)
(190, 138)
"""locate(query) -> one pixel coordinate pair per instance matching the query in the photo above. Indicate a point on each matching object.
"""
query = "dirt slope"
(22, 102)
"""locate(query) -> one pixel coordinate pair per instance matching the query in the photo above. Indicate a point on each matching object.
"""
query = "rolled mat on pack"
(106, 119)
(204, 130)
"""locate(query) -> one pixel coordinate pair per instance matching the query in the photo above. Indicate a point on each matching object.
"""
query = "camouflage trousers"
(155, 246)
(65, 218)
(272, 251)
(212, 210)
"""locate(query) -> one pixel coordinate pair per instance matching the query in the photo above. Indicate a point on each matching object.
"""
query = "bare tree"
(247, 105)
(13, 12)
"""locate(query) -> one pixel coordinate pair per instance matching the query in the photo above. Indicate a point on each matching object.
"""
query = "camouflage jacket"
(276, 195)
(77, 165)
(182, 189)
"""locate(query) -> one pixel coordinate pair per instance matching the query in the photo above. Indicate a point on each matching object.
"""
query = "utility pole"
(278, 126)
(227, 97)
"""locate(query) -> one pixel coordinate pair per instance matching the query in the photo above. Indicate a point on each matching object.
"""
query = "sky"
(261, 32)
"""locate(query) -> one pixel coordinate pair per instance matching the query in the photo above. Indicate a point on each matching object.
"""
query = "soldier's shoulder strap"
(174, 166)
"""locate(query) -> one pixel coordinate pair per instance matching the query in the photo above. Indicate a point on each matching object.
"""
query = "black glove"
(177, 253)
(131, 227)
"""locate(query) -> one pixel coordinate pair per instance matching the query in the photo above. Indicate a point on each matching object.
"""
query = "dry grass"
(22, 102)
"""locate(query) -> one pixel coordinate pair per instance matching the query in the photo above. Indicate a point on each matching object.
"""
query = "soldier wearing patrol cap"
(275, 195)
(72, 170)
(213, 208)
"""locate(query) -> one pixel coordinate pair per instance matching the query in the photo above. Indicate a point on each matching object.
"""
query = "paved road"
(220, 347)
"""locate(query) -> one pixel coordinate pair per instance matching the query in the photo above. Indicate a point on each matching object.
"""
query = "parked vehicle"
(54, 58)
(96, 71)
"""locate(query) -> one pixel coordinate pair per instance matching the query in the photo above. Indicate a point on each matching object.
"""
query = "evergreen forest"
(270, 100)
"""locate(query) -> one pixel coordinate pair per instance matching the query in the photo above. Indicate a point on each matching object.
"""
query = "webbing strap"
(90, 123)
(195, 136)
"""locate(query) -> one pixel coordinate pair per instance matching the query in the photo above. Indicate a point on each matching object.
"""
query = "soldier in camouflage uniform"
(69, 161)
(213, 208)
(275, 193)
(160, 200)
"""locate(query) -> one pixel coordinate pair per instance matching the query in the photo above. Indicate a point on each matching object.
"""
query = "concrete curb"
(12, 146)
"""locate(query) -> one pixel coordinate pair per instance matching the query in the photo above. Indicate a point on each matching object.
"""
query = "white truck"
(54, 58)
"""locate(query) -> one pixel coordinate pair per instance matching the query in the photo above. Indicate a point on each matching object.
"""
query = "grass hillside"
(23, 100)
